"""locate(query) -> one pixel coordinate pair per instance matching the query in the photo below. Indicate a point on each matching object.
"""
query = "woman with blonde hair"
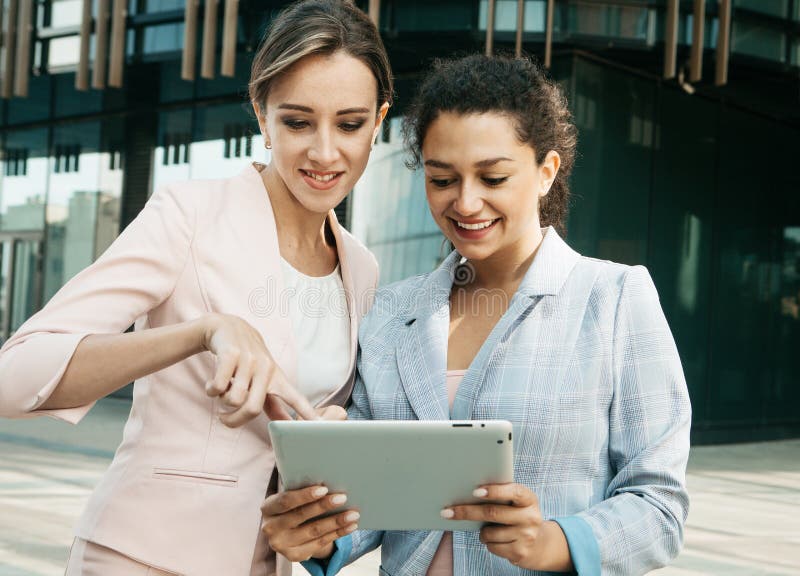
(247, 295)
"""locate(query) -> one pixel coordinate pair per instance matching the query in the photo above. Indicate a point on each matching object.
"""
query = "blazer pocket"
(225, 480)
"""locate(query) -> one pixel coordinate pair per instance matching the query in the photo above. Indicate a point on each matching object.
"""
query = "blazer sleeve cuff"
(32, 369)
(341, 552)
(583, 547)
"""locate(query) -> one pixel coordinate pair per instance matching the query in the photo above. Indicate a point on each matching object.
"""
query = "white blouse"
(321, 325)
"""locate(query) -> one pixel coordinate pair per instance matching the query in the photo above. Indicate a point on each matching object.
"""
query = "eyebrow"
(299, 108)
(480, 164)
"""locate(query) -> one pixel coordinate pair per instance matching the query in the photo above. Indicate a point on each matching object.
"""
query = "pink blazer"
(183, 492)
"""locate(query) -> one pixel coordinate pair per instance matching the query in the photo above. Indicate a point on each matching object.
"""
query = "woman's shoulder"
(610, 279)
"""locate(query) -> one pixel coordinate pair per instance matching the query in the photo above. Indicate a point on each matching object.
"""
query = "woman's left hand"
(516, 531)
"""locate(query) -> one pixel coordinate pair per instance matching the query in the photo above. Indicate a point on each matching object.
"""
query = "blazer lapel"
(422, 350)
(257, 232)
(340, 395)
(545, 277)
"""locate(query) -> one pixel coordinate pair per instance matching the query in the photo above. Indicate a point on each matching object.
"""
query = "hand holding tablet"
(398, 475)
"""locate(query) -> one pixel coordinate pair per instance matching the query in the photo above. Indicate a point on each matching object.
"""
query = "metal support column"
(671, 39)
(520, 27)
(723, 42)
(698, 30)
(490, 29)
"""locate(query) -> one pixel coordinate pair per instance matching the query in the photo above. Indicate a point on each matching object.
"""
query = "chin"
(320, 202)
(471, 251)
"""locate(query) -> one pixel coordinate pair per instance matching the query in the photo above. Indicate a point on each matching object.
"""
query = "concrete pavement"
(744, 520)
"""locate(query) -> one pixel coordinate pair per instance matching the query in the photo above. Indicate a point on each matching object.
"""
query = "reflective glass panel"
(5, 269)
(779, 8)
(163, 38)
(425, 15)
(65, 13)
(23, 180)
(610, 185)
(226, 139)
(171, 154)
(26, 281)
(505, 16)
(220, 142)
(36, 106)
(759, 41)
(390, 213)
(629, 22)
(83, 206)
(163, 5)
(63, 52)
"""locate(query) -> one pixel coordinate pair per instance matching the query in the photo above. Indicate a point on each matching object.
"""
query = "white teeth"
(478, 226)
(320, 178)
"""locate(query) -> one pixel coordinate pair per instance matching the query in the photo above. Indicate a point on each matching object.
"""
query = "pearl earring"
(267, 145)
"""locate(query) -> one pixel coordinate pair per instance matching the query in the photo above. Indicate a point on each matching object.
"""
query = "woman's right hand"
(286, 522)
(247, 378)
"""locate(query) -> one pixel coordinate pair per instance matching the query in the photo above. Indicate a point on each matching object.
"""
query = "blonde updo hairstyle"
(319, 27)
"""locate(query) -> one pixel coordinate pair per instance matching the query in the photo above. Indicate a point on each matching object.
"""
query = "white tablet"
(397, 474)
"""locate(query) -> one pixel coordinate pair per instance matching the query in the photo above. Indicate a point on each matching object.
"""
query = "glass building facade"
(696, 181)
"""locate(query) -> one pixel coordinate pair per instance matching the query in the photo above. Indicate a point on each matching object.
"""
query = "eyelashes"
(445, 182)
(440, 182)
(297, 125)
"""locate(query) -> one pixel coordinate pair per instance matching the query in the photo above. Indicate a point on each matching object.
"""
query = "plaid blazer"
(585, 367)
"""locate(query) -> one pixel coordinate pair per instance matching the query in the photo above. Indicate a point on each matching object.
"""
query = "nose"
(469, 200)
(324, 149)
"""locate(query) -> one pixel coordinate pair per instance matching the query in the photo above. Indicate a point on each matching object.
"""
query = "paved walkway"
(745, 517)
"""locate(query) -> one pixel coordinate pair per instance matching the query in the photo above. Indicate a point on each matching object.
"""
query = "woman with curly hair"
(516, 325)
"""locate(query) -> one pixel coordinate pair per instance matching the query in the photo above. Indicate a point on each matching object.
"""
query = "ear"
(261, 116)
(379, 119)
(548, 170)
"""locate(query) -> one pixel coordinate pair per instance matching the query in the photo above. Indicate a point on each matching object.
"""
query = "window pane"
(163, 38)
(759, 41)
(630, 22)
(24, 180)
(505, 17)
(83, 204)
(426, 15)
(63, 52)
(66, 13)
(779, 8)
(162, 5)
(25, 301)
(225, 139)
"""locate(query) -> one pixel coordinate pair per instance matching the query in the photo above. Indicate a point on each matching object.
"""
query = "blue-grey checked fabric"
(584, 365)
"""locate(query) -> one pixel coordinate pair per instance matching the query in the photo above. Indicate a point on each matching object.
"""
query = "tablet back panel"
(398, 474)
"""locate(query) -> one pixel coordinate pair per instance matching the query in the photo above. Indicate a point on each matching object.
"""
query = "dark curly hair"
(517, 87)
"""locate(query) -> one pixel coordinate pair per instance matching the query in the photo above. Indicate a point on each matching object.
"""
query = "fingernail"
(480, 492)
(338, 499)
(447, 513)
(351, 517)
(319, 492)
(351, 528)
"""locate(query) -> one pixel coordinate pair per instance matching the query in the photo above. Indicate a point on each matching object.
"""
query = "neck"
(506, 268)
(299, 229)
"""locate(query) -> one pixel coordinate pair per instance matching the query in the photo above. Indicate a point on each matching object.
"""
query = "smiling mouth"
(475, 226)
(321, 176)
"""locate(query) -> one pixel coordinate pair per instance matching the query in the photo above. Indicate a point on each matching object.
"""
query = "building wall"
(704, 195)
(702, 191)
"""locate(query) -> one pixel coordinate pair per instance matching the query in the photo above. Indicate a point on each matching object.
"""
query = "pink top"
(442, 563)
